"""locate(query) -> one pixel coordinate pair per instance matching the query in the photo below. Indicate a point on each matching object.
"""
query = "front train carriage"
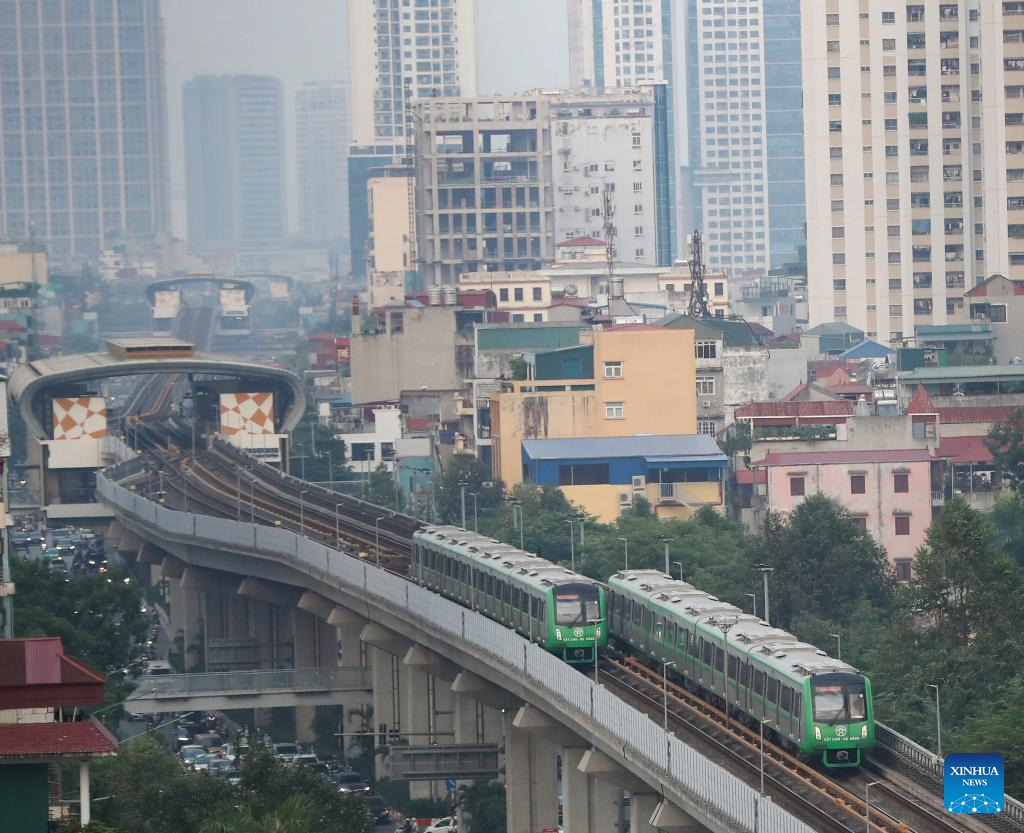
(548, 604)
(811, 701)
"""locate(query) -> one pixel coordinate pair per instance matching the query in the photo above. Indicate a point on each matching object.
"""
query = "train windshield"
(840, 702)
(576, 604)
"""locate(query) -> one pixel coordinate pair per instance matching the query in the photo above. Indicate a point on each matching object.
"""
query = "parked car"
(350, 782)
(449, 824)
(287, 751)
(305, 760)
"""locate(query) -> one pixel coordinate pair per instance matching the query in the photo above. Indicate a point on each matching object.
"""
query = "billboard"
(246, 413)
(79, 417)
(279, 290)
(232, 302)
(166, 303)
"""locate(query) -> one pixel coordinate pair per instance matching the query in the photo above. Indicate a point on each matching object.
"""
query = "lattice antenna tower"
(698, 288)
(608, 213)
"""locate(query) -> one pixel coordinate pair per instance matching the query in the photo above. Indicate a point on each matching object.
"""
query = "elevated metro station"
(234, 298)
(75, 428)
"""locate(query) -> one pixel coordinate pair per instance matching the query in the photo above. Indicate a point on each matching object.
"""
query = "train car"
(812, 702)
(558, 609)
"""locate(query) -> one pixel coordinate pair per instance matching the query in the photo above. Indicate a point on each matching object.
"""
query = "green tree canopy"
(1005, 440)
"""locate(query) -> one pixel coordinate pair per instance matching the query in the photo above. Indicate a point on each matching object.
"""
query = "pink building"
(888, 492)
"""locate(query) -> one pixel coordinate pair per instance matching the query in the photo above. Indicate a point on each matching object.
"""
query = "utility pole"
(765, 571)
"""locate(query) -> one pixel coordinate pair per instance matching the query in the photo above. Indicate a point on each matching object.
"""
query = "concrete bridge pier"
(428, 707)
(588, 804)
(388, 648)
(315, 647)
(354, 653)
(531, 741)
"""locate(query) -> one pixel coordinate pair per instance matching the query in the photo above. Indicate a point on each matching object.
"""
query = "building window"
(614, 410)
(707, 350)
(613, 370)
(503, 294)
(903, 569)
(796, 486)
(902, 524)
(518, 318)
(538, 293)
(719, 289)
(901, 482)
(705, 386)
(706, 426)
(517, 293)
(861, 521)
(857, 484)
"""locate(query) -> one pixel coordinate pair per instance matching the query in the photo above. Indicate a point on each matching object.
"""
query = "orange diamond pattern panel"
(82, 416)
(246, 413)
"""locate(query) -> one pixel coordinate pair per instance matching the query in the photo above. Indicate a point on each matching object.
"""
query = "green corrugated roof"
(528, 337)
(968, 373)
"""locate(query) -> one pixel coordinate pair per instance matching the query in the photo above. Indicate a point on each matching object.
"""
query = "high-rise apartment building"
(234, 163)
(321, 160)
(914, 128)
(399, 51)
(83, 123)
(484, 192)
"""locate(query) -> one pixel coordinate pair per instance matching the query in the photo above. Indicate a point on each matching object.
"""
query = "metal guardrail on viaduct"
(710, 794)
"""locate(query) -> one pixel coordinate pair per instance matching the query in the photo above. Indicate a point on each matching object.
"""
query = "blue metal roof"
(663, 448)
(867, 349)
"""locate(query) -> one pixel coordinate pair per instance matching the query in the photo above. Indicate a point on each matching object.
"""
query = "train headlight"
(597, 632)
(558, 633)
(864, 730)
(817, 733)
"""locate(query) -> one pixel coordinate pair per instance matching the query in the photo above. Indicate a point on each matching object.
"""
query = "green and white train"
(558, 609)
(811, 701)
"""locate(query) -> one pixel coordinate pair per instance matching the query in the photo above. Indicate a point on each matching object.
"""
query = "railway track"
(904, 795)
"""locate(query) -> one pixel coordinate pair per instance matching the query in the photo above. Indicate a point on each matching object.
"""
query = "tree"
(382, 489)
(517, 368)
(484, 804)
(1008, 526)
(465, 469)
(1005, 441)
(825, 564)
(296, 814)
(960, 579)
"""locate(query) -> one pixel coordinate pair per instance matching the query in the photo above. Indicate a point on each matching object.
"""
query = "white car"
(449, 824)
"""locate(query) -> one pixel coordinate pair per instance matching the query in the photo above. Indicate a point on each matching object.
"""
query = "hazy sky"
(521, 45)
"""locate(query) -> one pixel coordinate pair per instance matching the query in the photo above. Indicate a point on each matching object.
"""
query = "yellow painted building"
(526, 296)
(644, 382)
(22, 263)
(389, 219)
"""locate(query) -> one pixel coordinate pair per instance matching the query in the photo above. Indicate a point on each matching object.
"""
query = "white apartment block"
(914, 126)
(321, 160)
(605, 144)
(429, 45)
(617, 43)
(732, 131)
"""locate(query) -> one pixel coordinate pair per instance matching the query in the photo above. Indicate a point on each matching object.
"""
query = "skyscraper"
(234, 163)
(321, 154)
(83, 123)
(399, 50)
(913, 119)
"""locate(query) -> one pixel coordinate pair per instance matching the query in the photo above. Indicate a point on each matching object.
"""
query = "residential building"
(768, 301)
(415, 344)
(638, 379)
(676, 282)
(902, 106)
(84, 154)
(321, 160)
(390, 239)
(831, 338)
(381, 441)
(952, 385)
(234, 163)
(42, 693)
(399, 51)
(23, 270)
(889, 493)
(677, 474)
(999, 302)
(526, 296)
(484, 187)
(612, 146)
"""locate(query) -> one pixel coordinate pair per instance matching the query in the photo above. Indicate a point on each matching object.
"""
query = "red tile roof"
(961, 414)
(921, 403)
(964, 450)
(577, 242)
(830, 407)
(981, 290)
(47, 740)
(7, 324)
(810, 458)
(36, 673)
(745, 477)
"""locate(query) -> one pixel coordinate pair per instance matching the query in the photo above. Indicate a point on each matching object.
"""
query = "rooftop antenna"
(608, 213)
(410, 162)
(698, 289)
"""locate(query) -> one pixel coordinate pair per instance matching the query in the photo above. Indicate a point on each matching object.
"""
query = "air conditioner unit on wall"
(625, 499)
(639, 481)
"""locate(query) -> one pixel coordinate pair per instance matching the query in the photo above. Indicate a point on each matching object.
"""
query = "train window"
(786, 701)
(516, 598)
(857, 702)
(648, 621)
(694, 645)
(733, 667)
(797, 703)
(524, 603)
(719, 661)
(638, 613)
(773, 691)
(759, 682)
(616, 604)
(489, 585)
(745, 675)
(670, 635)
(707, 652)
(543, 611)
(627, 610)
(447, 566)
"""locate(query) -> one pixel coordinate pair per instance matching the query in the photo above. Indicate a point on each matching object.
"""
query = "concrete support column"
(355, 654)
(417, 694)
(532, 799)
(588, 804)
(84, 794)
(467, 719)
(641, 808)
(306, 645)
(326, 645)
(385, 703)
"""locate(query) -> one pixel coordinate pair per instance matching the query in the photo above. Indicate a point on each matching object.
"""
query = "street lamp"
(679, 564)
(518, 520)
(763, 724)
(302, 512)
(765, 570)
(572, 546)
(839, 645)
(330, 469)
(867, 805)
(668, 571)
(462, 494)
(664, 690)
(724, 624)
(376, 536)
(938, 719)
(476, 519)
(337, 525)
(302, 458)
(625, 547)
(753, 601)
(597, 630)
